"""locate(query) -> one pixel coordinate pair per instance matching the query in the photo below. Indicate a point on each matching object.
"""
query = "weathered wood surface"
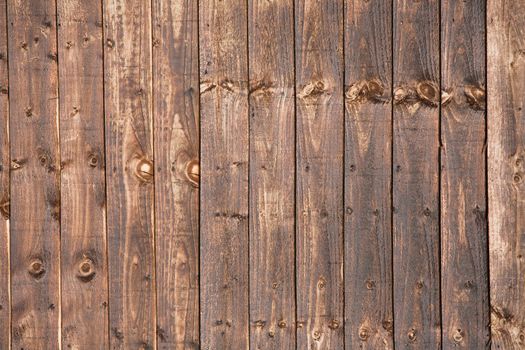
(83, 226)
(506, 170)
(129, 164)
(416, 174)
(5, 306)
(176, 142)
(35, 174)
(368, 166)
(464, 264)
(224, 262)
(320, 133)
(272, 170)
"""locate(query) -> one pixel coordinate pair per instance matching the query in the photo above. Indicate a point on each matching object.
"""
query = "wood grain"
(5, 287)
(416, 175)
(368, 164)
(320, 148)
(506, 170)
(35, 174)
(129, 176)
(83, 226)
(224, 166)
(272, 180)
(176, 120)
(464, 264)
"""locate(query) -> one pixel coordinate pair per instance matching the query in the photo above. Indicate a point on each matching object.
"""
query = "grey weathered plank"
(224, 167)
(320, 133)
(35, 174)
(506, 170)
(176, 142)
(129, 175)
(416, 175)
(83, 228)
(368, 167)
(464, 265)
(272, 148)
(5, 305)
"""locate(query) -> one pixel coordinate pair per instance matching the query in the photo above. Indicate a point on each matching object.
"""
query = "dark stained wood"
(129, 176)
(416, 175)
(83, 239)
(272, 158)
(176, 120)
(368, 166)
(224, 167)
(320, 133)
(464, 265)
(35, 174)
(506, 170)
(5, 305)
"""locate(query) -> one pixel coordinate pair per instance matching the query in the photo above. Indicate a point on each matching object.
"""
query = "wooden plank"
(83, 226)
(464, 264)
(224, 163)
(272, 168)
(506, 170)
(129, 176)
(320, 149)
(5, 287)
(35, 174)
(416, 175)
(176, 120)
(368, 164)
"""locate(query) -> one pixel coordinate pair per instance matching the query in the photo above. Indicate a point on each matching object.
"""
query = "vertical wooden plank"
(5, 305)
(35, 174)
(506, 170)
(176, 120)
(224, 185)
(464, 265)
(83, 226)
(129, 176)
(416, 175)
(272, 149)
(368, 167)
(320, 149)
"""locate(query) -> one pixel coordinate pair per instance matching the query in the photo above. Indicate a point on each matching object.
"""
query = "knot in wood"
(364, 333)
(5, 207)
(321, 284)
(316, 335)
(193, 172)
(475, 97)
(428, 93)
(144, 170)
(281, 324)
(36, 268)
(333, 325)
(370, 284)
(446, 97)
(458, 336)
(371, 90)
(86, 270)
(412, 335)
(313, 89)
(93, 160)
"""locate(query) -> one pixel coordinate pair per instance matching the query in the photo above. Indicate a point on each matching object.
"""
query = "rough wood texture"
(5, 305)
(464, 265)
(35, 174)
(320, 133)
(272, 148)
(129, 164)
(506, 170)
(368, 164)
(224, 167)
(416, 175)
(83, 226)
(176, 120)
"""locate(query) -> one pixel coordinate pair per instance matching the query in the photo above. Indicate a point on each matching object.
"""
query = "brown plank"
(5, 304)
(272, 168)
(506, 170)
(176, 120)
(320, 148)
(224, 163)
(129, 176)
(83, 226)
(416, 175)
(368, 164)
(35, 174)
(464, 265)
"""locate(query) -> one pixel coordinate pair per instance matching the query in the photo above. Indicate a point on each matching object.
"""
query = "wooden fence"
(263, 174)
